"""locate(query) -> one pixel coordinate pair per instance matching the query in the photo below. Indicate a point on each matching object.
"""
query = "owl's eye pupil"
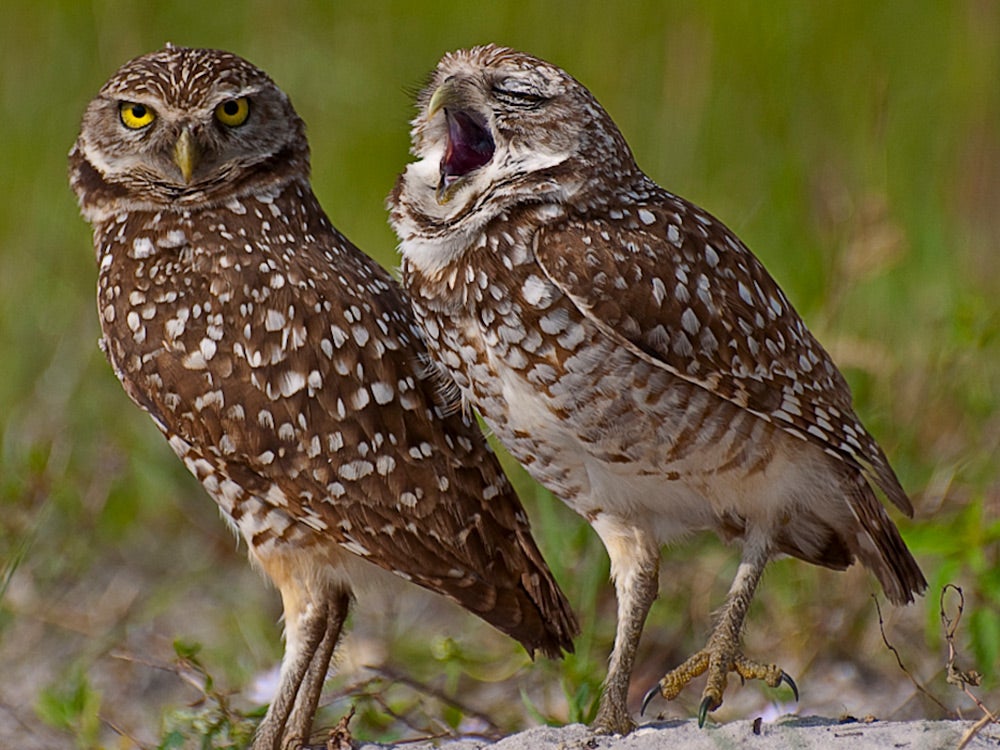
(233, 112)
(135, 116)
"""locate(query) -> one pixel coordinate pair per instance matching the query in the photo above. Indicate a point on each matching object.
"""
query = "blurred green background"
(855, 146)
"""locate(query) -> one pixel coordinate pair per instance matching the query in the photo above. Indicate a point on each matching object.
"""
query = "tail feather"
(530, 607)
(880, 474)
(866, 534)
(881, 549)
(505, 580)
(559, 621)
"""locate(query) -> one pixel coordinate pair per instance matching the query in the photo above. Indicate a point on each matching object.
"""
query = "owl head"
(498, 127)
(183, 127)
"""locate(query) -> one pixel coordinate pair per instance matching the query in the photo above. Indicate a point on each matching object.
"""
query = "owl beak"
(469, 141)
(186, 154)
(470, 146)
(443, 96)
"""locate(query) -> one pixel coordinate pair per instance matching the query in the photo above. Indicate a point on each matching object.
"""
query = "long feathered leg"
(635, 562)
(306, 632)
(300, 723)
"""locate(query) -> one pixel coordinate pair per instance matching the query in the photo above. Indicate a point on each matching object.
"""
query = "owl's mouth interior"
(470, 146)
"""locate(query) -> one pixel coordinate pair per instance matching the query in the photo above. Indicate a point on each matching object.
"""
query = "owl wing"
(327, 416)
(678, 288)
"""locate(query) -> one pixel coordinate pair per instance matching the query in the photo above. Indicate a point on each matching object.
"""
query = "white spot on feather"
(354, 470)
(290, 382)
(275, 320)
(659, 290)
(142, 247)
(382, 392)
(536, 291)
(207, 347)
(689, 321)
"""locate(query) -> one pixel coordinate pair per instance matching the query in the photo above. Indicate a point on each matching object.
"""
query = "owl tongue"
(470, 146)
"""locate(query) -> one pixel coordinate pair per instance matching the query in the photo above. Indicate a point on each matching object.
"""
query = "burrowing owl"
(631, 352)
(284, 367)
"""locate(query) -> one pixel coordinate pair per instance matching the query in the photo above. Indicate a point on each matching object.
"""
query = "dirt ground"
(802, 733)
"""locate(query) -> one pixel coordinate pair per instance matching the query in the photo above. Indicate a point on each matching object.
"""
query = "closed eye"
(518, 93)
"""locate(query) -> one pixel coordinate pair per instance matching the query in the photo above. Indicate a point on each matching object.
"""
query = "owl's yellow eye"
(233, 112)
(135, 116)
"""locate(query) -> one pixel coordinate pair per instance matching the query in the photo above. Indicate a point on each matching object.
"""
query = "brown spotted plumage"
(631, 352)
(284, 367)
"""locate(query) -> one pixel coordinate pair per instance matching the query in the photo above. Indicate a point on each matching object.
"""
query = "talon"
(706, 706)
(791, 683)
(652, 693)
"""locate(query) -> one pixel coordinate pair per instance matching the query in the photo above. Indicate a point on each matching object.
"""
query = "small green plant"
(72, 706)
(211, 720)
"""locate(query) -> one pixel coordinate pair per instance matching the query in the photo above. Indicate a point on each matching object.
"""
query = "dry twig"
(899, 660)
(959, 677)
(340, 736)
(493, 732)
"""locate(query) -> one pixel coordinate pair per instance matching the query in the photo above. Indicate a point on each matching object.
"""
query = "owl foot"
(718, 664)
(612, 719)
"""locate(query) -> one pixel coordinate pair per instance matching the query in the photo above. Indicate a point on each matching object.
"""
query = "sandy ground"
(801, 733)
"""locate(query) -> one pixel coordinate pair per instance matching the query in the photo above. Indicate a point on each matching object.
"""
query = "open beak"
(186, 154)
(470, 144)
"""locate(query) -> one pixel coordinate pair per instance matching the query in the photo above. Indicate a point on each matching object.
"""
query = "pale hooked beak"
(186, 154)
(442, 95)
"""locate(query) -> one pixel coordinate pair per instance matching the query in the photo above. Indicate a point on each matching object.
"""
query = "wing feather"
(305, 390)
(672, 283)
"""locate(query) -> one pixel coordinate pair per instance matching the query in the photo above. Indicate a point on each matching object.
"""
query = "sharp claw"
(703, 709)
(791, 683)
(650, 694)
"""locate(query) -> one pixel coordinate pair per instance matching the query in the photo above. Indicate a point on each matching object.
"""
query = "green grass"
(854, 146)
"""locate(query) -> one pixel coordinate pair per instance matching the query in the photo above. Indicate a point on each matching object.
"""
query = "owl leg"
(722, 654)
(306, 631)
(635, 561)
(300, 723)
